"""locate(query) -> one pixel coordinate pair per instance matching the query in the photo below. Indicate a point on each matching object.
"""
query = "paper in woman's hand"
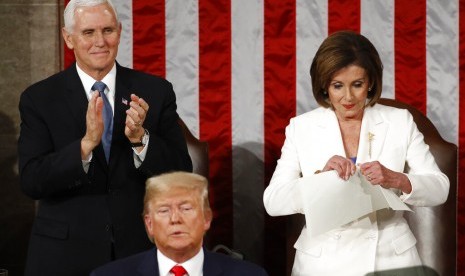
(330, 202)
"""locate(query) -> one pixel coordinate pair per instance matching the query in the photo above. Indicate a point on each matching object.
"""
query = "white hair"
(70, 11)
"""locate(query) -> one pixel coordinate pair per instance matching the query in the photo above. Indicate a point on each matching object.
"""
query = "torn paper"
(330, 202)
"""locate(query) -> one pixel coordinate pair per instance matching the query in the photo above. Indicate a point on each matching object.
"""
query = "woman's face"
(348, 92)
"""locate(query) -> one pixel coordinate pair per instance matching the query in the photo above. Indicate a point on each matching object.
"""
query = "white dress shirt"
(193, 266)
(109, 80)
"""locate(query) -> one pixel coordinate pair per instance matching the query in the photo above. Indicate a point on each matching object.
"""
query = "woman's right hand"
(344, 167)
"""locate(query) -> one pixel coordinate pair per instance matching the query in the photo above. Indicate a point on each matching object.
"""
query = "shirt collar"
(109, 80)
(193, 266)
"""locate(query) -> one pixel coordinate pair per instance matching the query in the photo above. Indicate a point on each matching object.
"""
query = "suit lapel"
(149, 264)
(372, 135)
(122, 100)
(76, 99)
(331, 132)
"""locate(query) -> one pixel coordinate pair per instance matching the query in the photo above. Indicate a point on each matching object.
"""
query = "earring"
(325, 93)
(369, 89)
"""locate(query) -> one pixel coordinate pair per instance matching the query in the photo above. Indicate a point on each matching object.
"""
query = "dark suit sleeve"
(167, 149)
(47, 167)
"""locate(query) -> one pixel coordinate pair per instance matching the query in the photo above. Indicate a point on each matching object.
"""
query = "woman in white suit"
(350, 132)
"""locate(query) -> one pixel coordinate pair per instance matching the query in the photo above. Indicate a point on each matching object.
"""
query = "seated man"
(177, 214)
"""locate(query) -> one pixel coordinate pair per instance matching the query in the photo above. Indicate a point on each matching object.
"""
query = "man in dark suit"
(177, 214)
(90, 137)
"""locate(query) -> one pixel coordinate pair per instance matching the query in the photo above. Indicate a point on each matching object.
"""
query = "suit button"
(107, 227)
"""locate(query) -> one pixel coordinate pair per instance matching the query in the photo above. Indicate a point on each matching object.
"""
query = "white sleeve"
(281, 197)
(430, 187)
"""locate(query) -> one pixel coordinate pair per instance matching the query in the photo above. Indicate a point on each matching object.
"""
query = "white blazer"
(381, 240)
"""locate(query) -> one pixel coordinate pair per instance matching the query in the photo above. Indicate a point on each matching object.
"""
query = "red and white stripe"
(240, 69)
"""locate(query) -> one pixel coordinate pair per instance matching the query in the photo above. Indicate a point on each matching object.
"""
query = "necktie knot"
(178, 270)
(99, 86)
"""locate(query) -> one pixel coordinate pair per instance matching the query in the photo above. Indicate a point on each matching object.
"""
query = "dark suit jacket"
(83, 219)
(146, 264)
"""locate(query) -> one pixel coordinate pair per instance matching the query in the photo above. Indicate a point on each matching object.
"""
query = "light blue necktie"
(107, 118)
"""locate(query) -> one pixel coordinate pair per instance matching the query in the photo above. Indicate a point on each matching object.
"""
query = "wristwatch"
(143, 141)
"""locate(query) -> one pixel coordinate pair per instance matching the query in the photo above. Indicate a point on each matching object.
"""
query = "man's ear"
(67, 38)
(148, 225)
(208, 218)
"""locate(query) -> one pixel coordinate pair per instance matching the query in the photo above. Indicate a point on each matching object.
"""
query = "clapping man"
(90, 137)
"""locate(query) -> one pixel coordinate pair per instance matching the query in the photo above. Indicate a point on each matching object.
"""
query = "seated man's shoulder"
(126, 266)
(232, 266)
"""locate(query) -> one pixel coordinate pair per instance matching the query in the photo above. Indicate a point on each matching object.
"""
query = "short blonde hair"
(158, 185)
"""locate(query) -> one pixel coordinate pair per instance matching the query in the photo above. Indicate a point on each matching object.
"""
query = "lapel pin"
(371, 137)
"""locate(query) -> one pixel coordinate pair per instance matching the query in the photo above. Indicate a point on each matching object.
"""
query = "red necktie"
(178, 270)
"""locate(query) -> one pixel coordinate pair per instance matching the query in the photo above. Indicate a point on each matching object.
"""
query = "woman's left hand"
(377, 174)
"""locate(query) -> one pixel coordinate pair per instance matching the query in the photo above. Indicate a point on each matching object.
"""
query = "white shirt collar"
(193, 266)
(109, 80)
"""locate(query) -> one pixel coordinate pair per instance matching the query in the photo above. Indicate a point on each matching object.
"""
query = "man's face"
(177, 223)
(95, 38)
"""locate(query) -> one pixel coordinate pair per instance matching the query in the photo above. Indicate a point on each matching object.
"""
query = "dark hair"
(340, 50)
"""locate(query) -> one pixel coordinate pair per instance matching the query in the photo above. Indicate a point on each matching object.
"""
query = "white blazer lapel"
(372, 135)
(332, 132)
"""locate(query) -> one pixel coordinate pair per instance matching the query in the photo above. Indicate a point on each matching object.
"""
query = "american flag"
(240, 70)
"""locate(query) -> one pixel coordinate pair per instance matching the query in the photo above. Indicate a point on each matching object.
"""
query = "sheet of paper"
(330, 202)
(381, 198)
